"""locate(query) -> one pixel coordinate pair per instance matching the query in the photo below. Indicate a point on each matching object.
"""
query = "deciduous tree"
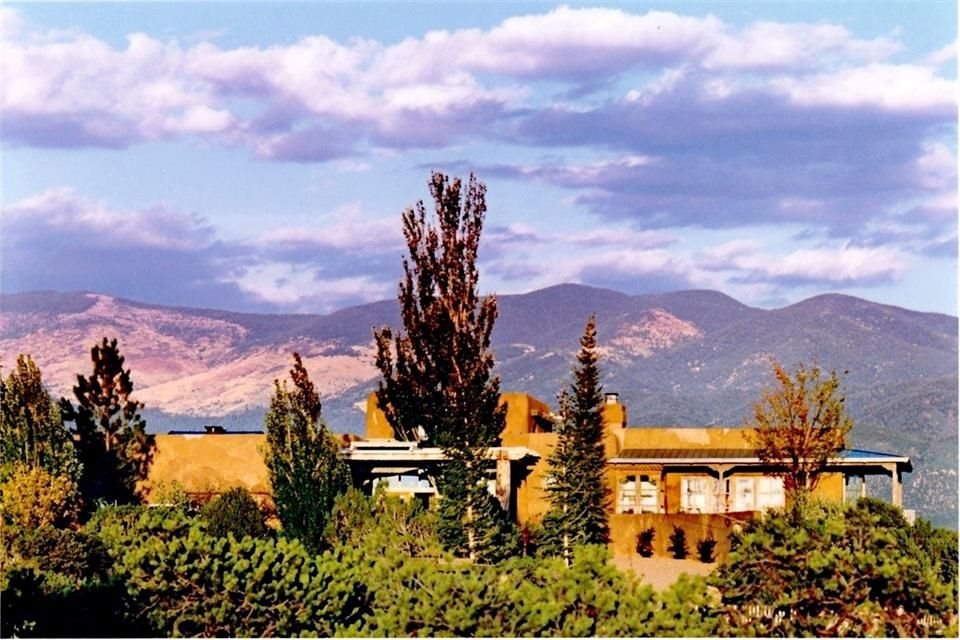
(578, 494)
(799, 426)
(109, 432)
(436, 382)
(302, 458)
(31, 426)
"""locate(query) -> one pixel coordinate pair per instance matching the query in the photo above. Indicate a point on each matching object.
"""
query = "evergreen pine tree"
(436, 382)
(577, 493)
(31, 426)
(110, 435)
(303, 459)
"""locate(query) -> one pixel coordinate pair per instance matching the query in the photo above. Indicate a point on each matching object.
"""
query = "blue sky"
(257, 156)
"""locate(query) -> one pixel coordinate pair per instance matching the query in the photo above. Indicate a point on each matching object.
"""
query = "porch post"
(863, 486)
(504, 482)
(896, 482)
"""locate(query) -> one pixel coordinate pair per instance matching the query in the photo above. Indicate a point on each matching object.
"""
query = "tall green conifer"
(578, 495)
(302, 458)
(110, 435)
(436, 382)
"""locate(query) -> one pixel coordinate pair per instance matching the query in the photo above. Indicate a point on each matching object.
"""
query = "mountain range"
(682, 358)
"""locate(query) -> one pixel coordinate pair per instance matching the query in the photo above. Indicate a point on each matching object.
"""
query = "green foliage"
(706, 548)
(578, 494)
(800, 426)
(678, 544)
(31, 427)
(526, 597)
(74, 555)
(198, 584)
(122, 527)
(645, 542)
(33, 497)
(383, 524)
(110, 435)
(235, 512)
(471, 521)
(303, 459)
(834, 571)
(57, 583)
(437, 381)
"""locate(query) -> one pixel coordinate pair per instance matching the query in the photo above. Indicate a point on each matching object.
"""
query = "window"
(770, 493)
(627, 498)
(648, 494)
(757, 493)
(638, 494)
(743, 494)
(695, 494)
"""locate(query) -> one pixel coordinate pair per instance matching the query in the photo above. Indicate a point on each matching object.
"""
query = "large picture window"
(757, 493)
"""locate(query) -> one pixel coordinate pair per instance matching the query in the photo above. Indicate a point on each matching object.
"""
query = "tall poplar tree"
(31, 427)
(302, 458)
(577, 492)
(109, 433)
(437, 384)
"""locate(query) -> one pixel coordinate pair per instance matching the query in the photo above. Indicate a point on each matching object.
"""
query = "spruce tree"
(110, 435)
(437, 384)
(303, 459)
(577, 493)
(31, 426)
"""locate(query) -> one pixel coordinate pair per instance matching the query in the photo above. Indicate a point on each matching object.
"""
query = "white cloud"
(842, 265)
(64, 211)
(891, 87)
(351, 230)
(69, 88)
(943, 56)
(780, 45)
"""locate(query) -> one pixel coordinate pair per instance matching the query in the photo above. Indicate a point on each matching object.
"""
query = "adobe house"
(703, 479)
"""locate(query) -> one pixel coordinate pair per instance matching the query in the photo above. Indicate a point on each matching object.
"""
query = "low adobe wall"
(624, 528)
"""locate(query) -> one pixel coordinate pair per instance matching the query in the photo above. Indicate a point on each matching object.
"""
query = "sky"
(258, 156)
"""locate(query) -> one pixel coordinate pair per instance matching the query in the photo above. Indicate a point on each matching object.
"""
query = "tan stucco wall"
(624, 529)
(209, 463)
(686, 438)
(829, 487)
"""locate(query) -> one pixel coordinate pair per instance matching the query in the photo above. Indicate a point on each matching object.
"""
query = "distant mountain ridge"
(687, 357)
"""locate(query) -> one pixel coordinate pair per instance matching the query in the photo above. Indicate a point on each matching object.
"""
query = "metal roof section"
(742, 456)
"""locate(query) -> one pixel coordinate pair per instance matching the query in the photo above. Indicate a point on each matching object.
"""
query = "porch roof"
(846, 457)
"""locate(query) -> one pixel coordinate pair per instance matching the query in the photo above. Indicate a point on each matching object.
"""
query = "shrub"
(678, 543)
(123, 527)
(382, 523)
(58, 583)
(235, 512)
(706, 548)
(835, 571)
(74, 555)
(199, 584)
(528, 597)
(33, 497)
(645, 542)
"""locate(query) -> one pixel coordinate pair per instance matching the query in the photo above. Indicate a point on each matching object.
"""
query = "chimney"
(614, 416)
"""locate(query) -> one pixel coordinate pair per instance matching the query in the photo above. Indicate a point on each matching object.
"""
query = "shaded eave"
(397, 450)
(846, 458)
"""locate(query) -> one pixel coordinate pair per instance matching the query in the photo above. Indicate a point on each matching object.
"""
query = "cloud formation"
(651, 126)
(62, 240)
(317, 99)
